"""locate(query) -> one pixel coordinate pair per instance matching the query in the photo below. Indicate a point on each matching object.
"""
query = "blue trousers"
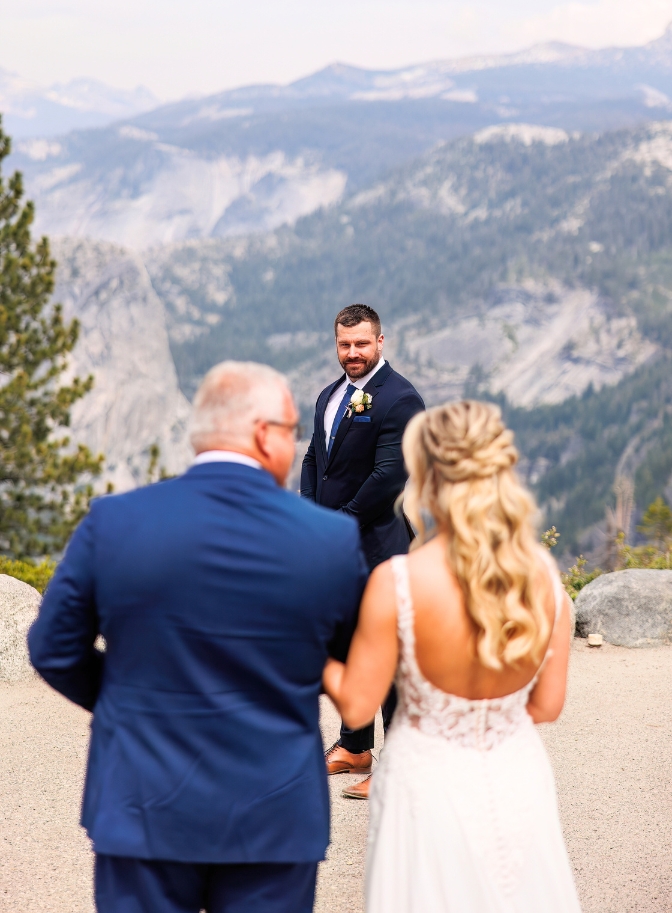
(125, 885)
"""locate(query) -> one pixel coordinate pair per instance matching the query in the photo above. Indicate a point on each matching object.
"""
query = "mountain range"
(521, 264)
(510, 218)
(251, 159)
(30, 109)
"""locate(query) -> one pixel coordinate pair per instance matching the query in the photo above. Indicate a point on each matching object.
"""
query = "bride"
(475, 625)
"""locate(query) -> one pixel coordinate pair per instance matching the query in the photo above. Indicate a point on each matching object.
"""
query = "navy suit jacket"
(364, 473)
(220, 596)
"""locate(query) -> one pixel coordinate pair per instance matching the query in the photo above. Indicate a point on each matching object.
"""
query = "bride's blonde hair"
(460, 458)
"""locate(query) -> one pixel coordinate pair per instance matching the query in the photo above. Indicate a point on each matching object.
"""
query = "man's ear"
(261, 437)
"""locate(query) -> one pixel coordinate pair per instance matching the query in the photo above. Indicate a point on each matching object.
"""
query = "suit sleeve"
(356, 572)
(309, 472)
(388, 478)
(61, 639)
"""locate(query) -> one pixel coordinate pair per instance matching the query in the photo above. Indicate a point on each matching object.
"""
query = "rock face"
(18, 608)
(630, 608)
(571, 332)
(136, 401)
(170, 193)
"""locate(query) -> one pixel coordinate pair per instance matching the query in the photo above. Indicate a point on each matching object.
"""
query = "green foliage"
(581, 441)
(37, 575)
(656, 524)
(153, 466)
(40, 499)
(155, 472)
(577, 577)
(550, 538)
(645, 556)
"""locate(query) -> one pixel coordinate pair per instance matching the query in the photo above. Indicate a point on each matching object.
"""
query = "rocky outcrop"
(164, 193)
(136, 401)
(571, 332)
(19, 603)
(631, 608)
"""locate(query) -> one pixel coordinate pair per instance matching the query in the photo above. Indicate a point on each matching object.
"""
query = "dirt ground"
(611, 750)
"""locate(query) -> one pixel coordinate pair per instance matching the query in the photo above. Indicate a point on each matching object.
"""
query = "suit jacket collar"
(219, 470)
(373, 387)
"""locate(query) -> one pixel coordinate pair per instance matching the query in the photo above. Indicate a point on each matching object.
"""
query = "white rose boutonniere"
(359, 402)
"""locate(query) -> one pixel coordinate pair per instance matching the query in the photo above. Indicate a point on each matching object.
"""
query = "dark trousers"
(359, 740)
(150, 886)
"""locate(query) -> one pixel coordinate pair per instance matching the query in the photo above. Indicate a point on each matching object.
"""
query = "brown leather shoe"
(341, 761)
(359, 790)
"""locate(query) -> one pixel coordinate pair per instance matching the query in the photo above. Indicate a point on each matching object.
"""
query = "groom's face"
(358, 349)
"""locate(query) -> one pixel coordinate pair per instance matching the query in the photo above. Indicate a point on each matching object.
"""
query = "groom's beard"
(359, 367)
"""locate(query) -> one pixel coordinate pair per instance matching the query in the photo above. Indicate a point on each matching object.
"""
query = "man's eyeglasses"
(296, 428)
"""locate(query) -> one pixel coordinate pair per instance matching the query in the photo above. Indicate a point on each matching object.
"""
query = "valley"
(523, 264)
(518, 250)
(257, 157)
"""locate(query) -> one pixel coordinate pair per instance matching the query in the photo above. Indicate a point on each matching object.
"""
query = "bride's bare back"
(460, 458)
(445, 636)
(445, 644)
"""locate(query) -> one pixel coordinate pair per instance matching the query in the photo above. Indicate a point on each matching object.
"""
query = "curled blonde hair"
(460, 458)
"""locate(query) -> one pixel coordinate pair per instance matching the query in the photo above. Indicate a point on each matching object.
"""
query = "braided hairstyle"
(460, 457)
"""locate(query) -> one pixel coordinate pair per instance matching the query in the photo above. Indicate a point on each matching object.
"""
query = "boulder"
(19, 603)
(631, 608)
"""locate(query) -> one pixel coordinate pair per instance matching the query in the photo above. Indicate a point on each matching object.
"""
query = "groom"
(354, 465)
(219, 595)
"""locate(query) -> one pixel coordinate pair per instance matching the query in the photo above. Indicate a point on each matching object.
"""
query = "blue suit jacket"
(220, 596)
(364, 474)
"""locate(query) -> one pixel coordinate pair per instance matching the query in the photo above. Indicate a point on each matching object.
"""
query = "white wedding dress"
(463, 807)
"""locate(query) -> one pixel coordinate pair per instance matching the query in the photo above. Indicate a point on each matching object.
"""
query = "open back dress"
(463, 811)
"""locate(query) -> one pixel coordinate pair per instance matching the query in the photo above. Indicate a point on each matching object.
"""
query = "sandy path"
(612, 752)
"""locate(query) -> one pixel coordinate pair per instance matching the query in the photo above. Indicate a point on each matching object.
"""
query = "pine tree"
(657, 523)
(42, 496)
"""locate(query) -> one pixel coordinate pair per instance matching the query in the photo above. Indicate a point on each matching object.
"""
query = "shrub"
(577, 577)
(37, 575)
(657, 525)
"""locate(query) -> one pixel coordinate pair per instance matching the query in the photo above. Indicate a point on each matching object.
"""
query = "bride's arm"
(548, 697)
(359, 686)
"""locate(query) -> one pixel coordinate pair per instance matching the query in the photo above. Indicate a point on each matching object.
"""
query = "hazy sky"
(176, 47)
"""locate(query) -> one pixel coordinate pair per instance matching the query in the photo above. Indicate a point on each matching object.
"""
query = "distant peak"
(340, 69)
(665, 39)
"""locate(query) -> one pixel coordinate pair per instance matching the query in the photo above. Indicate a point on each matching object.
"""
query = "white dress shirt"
(337, 396)
(226, 456)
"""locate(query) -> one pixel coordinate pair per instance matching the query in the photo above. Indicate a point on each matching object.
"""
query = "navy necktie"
(340, 412)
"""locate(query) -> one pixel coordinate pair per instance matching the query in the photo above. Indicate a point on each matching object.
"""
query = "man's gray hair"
(235, 395)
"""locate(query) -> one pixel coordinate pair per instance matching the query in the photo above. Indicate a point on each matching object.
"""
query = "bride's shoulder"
(382, 576)
(379, 603)
(430, 558)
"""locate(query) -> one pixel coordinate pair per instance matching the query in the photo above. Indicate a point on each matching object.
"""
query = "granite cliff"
(136, 401)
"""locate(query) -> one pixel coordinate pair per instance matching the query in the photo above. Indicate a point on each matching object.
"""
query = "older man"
(220, 596)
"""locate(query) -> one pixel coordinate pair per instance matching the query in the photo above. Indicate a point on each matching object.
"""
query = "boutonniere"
(359, 402)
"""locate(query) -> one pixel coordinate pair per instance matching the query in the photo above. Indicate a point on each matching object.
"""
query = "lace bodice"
(480, 724)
